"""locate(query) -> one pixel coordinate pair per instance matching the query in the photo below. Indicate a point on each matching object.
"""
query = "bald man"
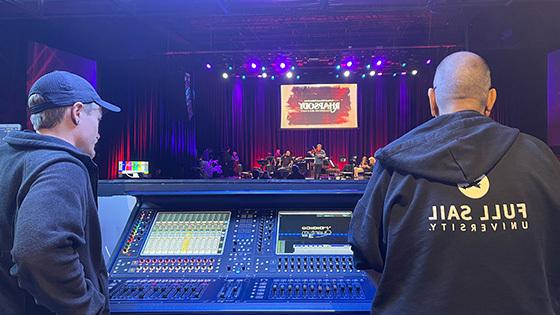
(462, 214)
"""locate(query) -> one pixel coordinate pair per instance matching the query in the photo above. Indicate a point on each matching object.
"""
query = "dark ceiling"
(316, 30)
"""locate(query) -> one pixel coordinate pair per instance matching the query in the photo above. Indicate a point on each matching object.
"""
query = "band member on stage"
(363, 167)
(311, 152)
(287, 160)
(319, 154)
(277, 158)
(372, 161)
(236, 164)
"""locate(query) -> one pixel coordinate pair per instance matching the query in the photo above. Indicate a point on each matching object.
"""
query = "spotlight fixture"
(414, 72)
(272, 77)
(225, 75)
(243, 77)
(230, 68)
(253, 65)
(298, 77)
(337, 76)
(403, 73)
(428, 61)
(208, 66)
(293, 68)
(289, 74)
(282, 65)
(403, 64)
(371, 73)
(264, 75)
(349, 64)
(346, 73)
(379, 74)
(337, 67)
(363, 75)
(368, 66)
(394, 74)
(379, 62)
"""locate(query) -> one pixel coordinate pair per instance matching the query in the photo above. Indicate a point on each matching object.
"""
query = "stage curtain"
(153, 125)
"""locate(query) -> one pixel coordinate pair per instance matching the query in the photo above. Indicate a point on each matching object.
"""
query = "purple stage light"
(403, 73)
(380, 74)
(208, 66)
(379, 62)
(264, 75)
(349, 64)
(428, 61)
(414, 72)
(225, 75)
(253, 65)
(346, 73)
(289, 74)
(281, 64)
(371, 73)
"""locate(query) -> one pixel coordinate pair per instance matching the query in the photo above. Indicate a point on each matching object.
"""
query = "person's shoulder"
(531, 142)
(51, 155)
(54, 161)
(534, 146)
(4, 148)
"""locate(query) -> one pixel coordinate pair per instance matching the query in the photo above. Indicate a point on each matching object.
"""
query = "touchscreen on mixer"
(313, 232)
(187, 233)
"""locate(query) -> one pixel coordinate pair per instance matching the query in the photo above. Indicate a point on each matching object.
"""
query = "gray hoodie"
(462, 216)
(50, 241)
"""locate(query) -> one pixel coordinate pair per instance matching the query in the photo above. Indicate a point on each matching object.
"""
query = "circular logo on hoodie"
(476, 190)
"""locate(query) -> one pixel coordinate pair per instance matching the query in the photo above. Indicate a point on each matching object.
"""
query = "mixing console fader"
(237, 260)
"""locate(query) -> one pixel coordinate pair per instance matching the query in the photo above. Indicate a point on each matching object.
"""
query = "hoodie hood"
(456, 148)
(32, 140)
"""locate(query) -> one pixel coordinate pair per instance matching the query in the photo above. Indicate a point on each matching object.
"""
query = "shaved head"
(462, 80)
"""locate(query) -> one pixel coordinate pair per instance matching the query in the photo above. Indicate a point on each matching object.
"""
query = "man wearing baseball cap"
(50, 242)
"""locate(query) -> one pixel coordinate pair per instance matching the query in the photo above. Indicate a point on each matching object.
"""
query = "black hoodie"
(50, 242)
(462, 216)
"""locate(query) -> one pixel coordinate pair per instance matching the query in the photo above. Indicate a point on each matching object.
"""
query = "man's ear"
(433, 105)
(490, 102)
(76, 112)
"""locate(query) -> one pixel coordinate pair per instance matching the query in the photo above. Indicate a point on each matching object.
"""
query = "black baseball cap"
(62, 88)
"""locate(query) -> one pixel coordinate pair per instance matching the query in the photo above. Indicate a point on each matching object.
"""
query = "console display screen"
(313, 233)
(188, 233)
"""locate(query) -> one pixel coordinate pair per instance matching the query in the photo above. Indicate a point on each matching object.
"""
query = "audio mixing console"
(242, 260)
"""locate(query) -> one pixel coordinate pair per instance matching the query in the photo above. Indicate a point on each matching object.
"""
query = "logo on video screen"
(319, 106)
(317, 231)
